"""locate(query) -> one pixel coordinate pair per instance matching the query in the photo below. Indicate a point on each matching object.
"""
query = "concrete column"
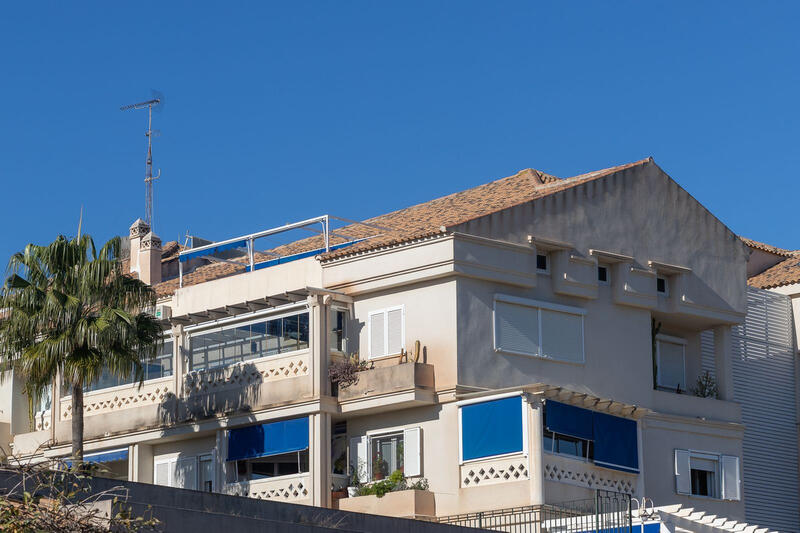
(140, 463)
(318, 340)
(178, 361)
(535, 454)
(221, 465)
(319, 438)
(722, 362)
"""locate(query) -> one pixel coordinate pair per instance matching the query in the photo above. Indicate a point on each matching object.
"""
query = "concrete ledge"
(390, 387)
(402, 504)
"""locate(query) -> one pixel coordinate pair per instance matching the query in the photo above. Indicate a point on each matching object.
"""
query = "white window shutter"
(412, 452)
(683, 477)
(161, 475)
(358, 458)
(731, 479)
(377, 338)
(185, 473)
(394, 331)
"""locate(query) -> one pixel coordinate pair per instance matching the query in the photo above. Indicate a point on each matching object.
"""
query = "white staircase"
(678, 519)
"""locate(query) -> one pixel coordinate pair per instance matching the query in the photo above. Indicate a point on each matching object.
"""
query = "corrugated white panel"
(707, 352)
(764, 377)
(517, 328)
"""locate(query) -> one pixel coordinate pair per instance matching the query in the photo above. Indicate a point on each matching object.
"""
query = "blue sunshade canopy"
(568, 420)
(104, 457)
(268, 439)
(491, 428)
(213, 250)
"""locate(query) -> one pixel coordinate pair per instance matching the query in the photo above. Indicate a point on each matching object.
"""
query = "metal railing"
(607, 512)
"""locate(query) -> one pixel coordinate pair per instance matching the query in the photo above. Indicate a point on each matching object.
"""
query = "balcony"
(403, 504)
(389, 387)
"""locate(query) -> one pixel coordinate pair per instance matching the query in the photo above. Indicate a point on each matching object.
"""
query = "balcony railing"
(607, 512)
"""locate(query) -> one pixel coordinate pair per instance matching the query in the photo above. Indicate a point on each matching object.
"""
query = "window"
(337, 321)
(541, 262)
(179, 472)
(339, 449)
(671, 372)
(284, 464)
(233, 344)
(387, 455)
(160, 367)
(527, 327)
(206, 473)
(606, 440)
(386, 332)
(566, 444)
(376, 456)
(707, 474)
(491, 428)
(602, 275)
(662, 287)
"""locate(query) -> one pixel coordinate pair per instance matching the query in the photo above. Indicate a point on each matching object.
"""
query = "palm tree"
(70, 311)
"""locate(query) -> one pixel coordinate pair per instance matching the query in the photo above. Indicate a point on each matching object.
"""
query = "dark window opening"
(661, 285)
(602, 274)
(702, 482)
(541, 262)
(284, 464)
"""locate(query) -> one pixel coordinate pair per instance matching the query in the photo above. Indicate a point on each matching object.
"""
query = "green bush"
(395, 482)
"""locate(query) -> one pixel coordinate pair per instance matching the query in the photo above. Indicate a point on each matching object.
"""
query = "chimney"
(150, 259)
(137, 231)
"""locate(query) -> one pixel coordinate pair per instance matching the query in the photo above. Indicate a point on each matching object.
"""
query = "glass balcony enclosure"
(160, 367)
(264, 337)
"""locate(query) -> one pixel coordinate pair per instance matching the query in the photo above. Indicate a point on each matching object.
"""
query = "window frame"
(380, 435)
(665, 292)
(717, 458)
(539, 305)
(346, 311)
(608, 275)
(525, 432)
(227, 324)
(545, 270)
(385, 311)
(671, 340)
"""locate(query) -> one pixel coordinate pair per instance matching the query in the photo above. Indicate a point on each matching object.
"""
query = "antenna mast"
(148, 172)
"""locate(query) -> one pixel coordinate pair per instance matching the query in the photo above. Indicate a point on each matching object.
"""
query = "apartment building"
(527, 341)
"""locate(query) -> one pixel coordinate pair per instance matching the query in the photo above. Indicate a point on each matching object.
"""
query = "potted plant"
(355, 484)
(379, 467)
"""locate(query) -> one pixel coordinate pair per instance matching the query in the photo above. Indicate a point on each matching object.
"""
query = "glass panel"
(387, 455)
(206, 474)
(241, 343)
(670, 366)
(336, 321)
(276, 465)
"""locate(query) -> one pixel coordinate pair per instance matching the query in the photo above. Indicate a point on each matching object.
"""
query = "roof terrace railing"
(248, 242)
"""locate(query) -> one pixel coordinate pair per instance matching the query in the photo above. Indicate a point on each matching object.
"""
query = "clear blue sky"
(279, 111)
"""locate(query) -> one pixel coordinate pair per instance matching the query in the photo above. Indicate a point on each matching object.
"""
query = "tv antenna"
(148, 173)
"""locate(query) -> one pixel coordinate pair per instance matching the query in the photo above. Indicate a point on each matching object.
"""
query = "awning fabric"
(615, 443)
(268, 439)
(301, 255)
(213, 250)
(104, 457)
(568, 420)
(491, 428)
(615, 438)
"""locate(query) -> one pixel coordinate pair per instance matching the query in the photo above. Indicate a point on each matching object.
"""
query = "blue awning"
(615, 443)
(213, 250)
(268, 439)
(568, 420)
(104, 457)
(491, 428)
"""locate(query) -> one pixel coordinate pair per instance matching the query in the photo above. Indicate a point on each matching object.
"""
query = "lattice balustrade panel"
(41, 421)
(280, 490)
(494, 471)
(242, 375)
(587, 476)
(100, 402)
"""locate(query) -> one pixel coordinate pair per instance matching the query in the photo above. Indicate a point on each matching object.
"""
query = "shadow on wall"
(214, 392)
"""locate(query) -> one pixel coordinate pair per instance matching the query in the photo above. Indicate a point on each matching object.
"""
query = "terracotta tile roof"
(169, 251)
(767, 247)
(786, 272)
(419, 221)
